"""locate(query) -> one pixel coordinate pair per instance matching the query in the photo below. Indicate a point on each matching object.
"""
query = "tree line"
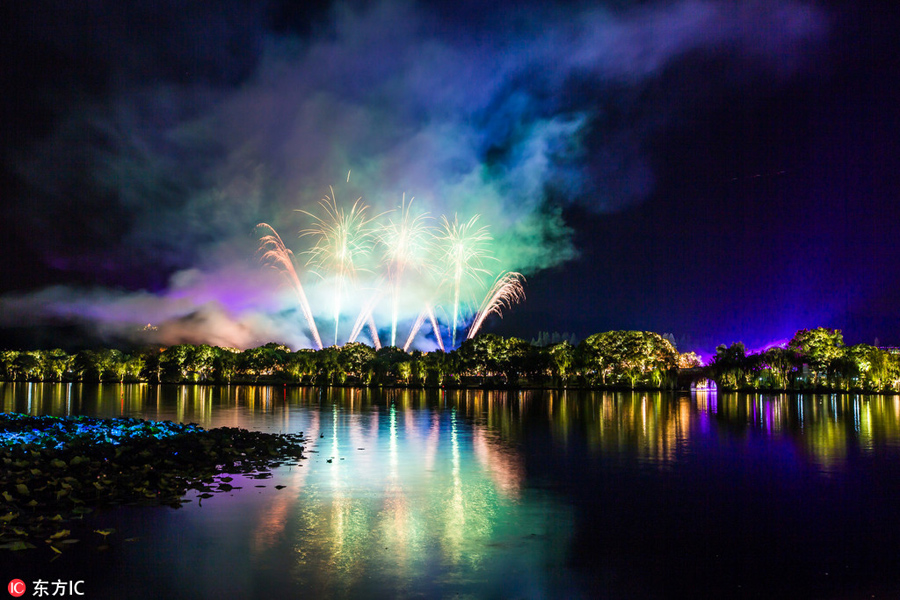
(814, 359)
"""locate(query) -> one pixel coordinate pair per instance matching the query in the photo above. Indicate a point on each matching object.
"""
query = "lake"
(495, 494)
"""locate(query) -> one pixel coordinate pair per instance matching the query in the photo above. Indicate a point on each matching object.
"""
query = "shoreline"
(58, 469)
(487, 387)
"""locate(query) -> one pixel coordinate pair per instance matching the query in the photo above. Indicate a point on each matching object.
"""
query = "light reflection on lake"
(657, 427)
(402, 493)
(487, 493)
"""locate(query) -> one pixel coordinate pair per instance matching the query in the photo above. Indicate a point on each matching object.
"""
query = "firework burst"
(405, 242)
(506, 291)
(276, 255)
(421, 270)
(462, 249)
(343, 241)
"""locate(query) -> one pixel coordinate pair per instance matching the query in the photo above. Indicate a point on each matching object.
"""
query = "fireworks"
(506, 291)
(462, 250)
(343, 242)
(275, 254)
(405, 243)
(395, 267)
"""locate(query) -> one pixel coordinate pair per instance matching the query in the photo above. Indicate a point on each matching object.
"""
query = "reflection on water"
(656, 427)
(398, 498)
(429, 492)
(403, 493)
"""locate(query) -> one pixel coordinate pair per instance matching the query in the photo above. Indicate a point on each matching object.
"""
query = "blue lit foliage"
(57, 433)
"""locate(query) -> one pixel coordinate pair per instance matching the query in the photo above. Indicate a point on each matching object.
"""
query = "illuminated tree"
(632, 357)
(817, 348)
(264, 361)
(300, 365)
(354, 358)
(327, 365)
(385, 363)
(418, 367)
(224, 365)
(477, 355)
(730, 368)
(172, 363)
(437, 365)
(782, 364)
(849, 369)
(878, 374)
(135, 366)
(561, 360)
(404, 370)
(85, 365)
(54, 363)
(7, 360)
(201, 362)
(516, 359)
(26, 367)
(483, 355)
(112, 365)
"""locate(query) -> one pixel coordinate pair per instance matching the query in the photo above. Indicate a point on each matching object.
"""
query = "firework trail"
(506, 291)
(274, 253)
(373, 331)
(415, 329)
(343, 241)
(365, 317)
(405, 243)
(454, 254)
(434, 325)
(428, 312)
(462, 247)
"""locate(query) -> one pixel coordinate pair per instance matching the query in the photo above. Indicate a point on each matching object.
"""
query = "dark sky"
(721, 171)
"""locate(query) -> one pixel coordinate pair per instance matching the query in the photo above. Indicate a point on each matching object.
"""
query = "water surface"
(508, 495)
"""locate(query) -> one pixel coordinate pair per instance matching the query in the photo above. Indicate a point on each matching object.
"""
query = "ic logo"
(16, 588)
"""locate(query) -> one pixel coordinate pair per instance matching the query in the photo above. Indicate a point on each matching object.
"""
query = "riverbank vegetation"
(54, 469)
(814, 359)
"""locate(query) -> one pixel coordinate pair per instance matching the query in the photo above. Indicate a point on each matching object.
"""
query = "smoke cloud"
(214, 121)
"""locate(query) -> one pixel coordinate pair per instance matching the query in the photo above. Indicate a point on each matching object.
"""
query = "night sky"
(719, 170)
